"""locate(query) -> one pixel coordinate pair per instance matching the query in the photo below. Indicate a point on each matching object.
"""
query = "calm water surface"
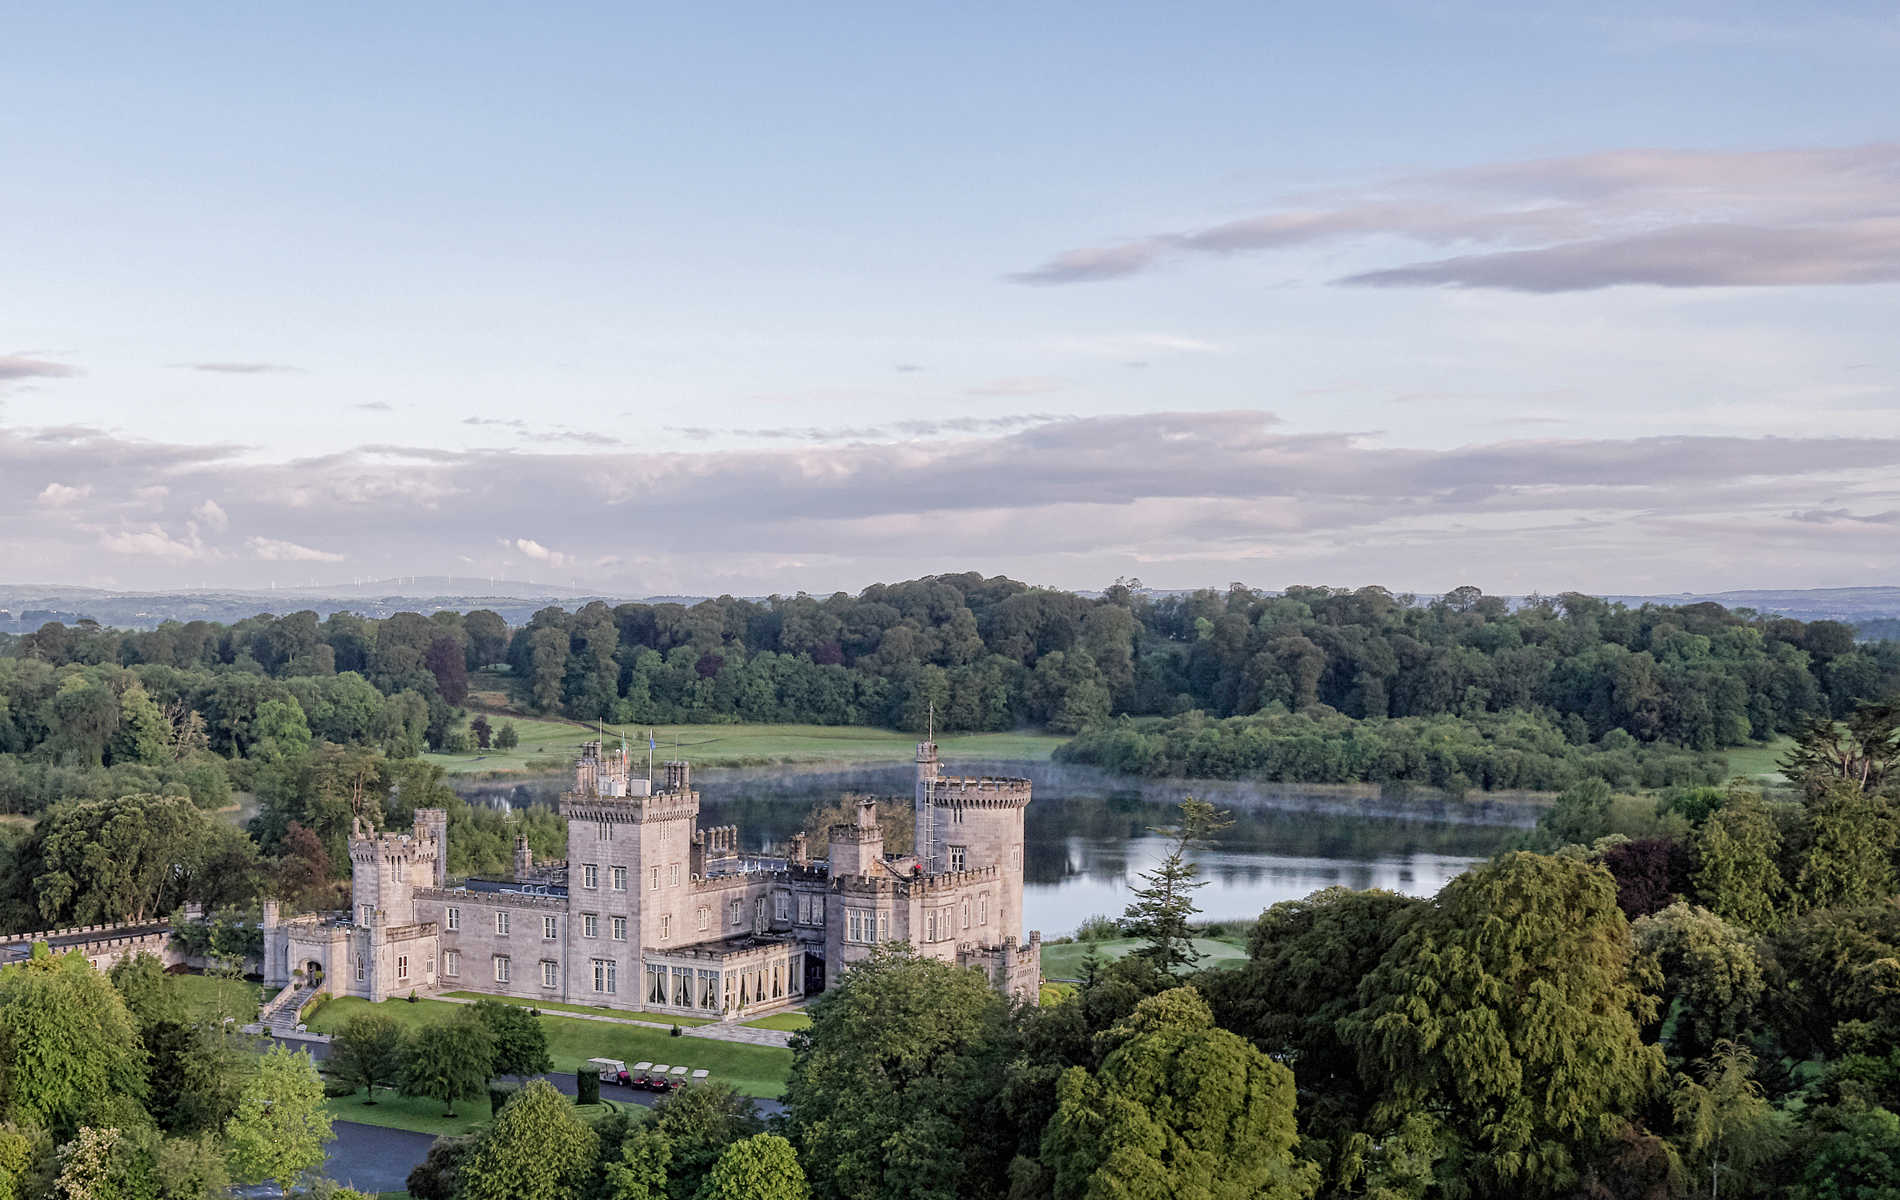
(1089, 836)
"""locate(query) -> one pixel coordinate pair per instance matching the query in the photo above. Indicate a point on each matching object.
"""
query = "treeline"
(993, 654)
(1515, 750)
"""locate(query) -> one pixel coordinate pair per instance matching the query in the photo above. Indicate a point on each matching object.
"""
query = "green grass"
(1065, 961)
(741, 745)
(790, 1022)
(754, 1070)
(419, 1115)
(551, 1006)
(1757, 763)
(210, 997)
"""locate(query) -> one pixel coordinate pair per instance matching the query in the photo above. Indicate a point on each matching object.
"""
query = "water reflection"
(1087, 836)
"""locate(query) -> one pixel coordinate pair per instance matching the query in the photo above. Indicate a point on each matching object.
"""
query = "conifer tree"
(1164, 903)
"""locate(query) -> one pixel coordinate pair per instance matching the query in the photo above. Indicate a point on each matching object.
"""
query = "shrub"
(587, 1085)
(499, 1095)
(1098, 929)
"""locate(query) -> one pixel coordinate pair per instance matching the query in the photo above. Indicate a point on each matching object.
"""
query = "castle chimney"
(524, 858)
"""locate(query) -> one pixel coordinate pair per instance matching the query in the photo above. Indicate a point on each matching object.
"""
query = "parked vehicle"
(641, 1072)
(610, 1070)
(656, 1080)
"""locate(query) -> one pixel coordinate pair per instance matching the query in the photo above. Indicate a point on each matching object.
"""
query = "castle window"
(550, 974)
(501, 968)
(590, 875)
(1016, 857)
(883, 927)
(930, 925)
(359, 968)
(365, 914)
(709, 989)
(983, 909)
(451, 962)
(590, 925)
(853, 926)
(705, 918)
(673, 875)
(620, 929)
(402, 966)
(618, 877)
(452, 917)
(606, 976)
(666, 926)
(501, 924)
(550, 928)
(959, 856)
(656, 984)
(781, 906)
(656, 877)
(737, 913)
(966, 912)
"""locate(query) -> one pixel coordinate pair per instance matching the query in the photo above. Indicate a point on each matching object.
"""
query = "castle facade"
(651, 912)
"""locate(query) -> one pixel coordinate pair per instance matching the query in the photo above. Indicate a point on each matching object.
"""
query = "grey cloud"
(1022, 385)
(1672, 218)
(869, 433)
(376, 406)
(239, 368)
(24, 366)
(1081, 495)
(1828, 516)
(1688, 256)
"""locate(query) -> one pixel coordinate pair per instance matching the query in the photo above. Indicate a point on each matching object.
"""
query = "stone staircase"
(279, 1017)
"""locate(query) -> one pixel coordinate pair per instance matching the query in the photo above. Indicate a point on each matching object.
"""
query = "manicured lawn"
(790, 1022)
(1758, 763)
(742, 745)
(210, 997)
(550, 1006)
(1065, 961)
(754, 1070)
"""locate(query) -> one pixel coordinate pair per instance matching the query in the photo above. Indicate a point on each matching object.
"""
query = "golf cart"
(610, 1070)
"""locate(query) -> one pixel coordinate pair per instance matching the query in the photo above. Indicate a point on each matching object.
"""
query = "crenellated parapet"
(944, 882)
(978, 791)
(518, 900)
(631, 810)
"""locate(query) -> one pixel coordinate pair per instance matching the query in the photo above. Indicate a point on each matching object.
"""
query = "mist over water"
(1088, 835)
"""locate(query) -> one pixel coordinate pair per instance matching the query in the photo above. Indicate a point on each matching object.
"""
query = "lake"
(1088, 835)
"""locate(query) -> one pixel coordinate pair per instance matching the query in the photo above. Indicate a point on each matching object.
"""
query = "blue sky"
(1591, 296)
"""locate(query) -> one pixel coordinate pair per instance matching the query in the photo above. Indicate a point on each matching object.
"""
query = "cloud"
(870, 433)
(239, 368)
(212, 515)
(60, 495)
(375, 406)
(1669, 218)
(1180, 497)
(274, 550)
(530, 548)
(21, 366)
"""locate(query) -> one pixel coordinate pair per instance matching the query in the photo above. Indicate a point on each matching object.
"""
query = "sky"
(748, 298)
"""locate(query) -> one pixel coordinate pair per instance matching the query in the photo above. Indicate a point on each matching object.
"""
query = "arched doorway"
(313, 973)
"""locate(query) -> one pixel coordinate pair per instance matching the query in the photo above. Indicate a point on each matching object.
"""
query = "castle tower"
(524, 858)
(858, 847)
(432, 826)
(925, 843)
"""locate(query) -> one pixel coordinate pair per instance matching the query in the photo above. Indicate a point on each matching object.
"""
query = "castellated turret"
(972, 821)
(386, 868)
(857, 848)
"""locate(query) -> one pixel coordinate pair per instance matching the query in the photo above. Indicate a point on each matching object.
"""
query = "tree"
(369, 1051)
(1580, 815)
(698, 1123)
(63, 1030)
(144, 736)
(481, 731)
(1849, 858)
(101, 1164)
(762, 1167)
(890, 1088)
(1728, 1128)
(1179, 1108)
(520, 1040)
(129, 859)
(449, 1062)
(1164, 904)
(1858, 1159)
(280, 1127)
(1864, 750)
(1712, 980)
(537, 1149)
(1736, 876)
(1477, 1019)
(487, 638)
(507, 738)
(640, 1171)
(438, 1174)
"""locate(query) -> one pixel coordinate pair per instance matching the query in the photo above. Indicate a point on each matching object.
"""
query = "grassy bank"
(210, 997)
(420, 1115)
(1065, 961)
(754, 1070)
(551, 744)
(552, 1006)
(1760, 764)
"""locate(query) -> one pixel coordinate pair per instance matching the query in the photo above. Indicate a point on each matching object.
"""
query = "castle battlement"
(493, 899)
(974, 791)
(950, 881)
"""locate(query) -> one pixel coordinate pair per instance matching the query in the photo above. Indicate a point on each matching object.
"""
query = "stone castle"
(651, 912)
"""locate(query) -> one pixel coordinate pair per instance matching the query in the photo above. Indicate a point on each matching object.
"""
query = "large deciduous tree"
(537, 1149)
(520, 1040)
(761, 1167)
(369, 1052)
(69, 1049)
(1179, 1108)
(280, 1128)
(449, 1062)
(891, 1092)
(1507, 1017)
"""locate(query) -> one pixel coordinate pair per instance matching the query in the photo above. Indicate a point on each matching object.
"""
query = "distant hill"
(1855, 606)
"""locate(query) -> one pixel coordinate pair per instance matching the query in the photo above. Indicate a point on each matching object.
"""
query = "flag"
(651, 744)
